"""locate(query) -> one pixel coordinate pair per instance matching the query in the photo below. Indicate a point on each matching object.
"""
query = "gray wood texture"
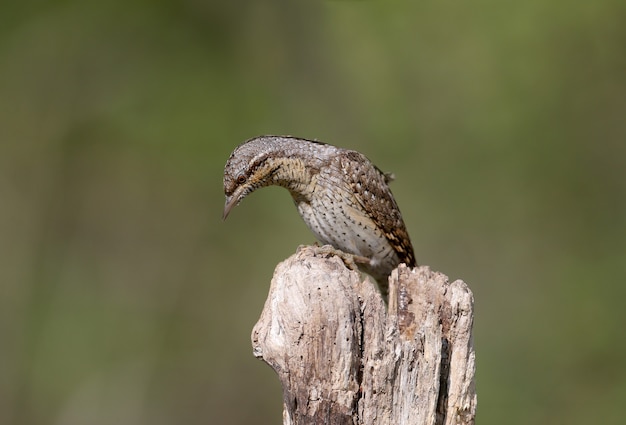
(344, 357)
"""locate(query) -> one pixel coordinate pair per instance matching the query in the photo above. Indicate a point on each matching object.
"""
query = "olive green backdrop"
(125, 299)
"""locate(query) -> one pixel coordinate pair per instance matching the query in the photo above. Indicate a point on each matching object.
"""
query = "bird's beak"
(229, 205)
(234, 199)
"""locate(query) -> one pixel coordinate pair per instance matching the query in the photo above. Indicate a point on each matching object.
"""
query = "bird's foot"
(350, 260)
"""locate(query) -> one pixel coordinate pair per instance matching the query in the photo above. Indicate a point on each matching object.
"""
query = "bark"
(344, 357)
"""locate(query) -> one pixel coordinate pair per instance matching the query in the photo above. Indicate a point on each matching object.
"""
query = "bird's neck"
(295, 175)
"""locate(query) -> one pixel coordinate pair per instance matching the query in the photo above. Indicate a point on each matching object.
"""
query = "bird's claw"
(350, 260)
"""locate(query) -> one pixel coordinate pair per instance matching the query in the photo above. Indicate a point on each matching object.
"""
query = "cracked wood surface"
(343, 357)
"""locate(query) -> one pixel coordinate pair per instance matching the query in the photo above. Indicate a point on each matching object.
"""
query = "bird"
(342, 197)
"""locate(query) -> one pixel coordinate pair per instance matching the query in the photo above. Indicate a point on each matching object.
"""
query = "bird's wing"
(370, 189)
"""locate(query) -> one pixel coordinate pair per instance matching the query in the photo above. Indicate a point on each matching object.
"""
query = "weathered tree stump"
(344, 357)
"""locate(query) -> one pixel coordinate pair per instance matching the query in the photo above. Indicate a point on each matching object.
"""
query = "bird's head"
(252, 165)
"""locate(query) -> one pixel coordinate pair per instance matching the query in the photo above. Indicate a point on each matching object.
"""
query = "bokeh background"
(125, 299)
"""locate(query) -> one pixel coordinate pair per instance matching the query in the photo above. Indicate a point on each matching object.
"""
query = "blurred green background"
(125, 299)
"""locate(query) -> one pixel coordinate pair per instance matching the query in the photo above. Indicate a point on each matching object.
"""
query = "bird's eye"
(241, 178)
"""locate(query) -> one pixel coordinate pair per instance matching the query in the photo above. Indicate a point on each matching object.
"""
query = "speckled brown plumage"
(342, 197)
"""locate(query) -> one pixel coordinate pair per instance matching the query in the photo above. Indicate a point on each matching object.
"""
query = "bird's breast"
(335, 218)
